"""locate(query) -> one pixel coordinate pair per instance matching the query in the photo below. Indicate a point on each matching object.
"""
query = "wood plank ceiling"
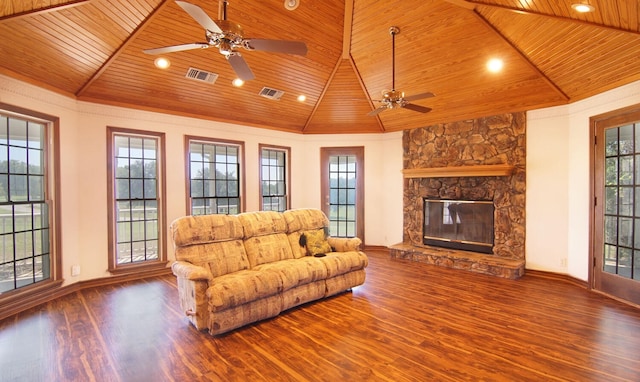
(92, 50)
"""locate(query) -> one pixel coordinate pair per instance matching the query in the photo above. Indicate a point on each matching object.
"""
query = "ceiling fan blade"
(419, 96)
(418, 108)
(377, 111)
(200, 16)
(177, 48)
(277, 46)
(240, 66)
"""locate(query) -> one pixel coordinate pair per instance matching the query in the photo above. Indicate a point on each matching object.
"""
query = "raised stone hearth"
(491, 143)
(452, 258)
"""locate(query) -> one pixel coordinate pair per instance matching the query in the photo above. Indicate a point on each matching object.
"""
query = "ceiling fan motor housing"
(393, 98)
(227, 41)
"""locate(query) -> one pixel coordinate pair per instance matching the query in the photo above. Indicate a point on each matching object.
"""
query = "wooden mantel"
(459, 171)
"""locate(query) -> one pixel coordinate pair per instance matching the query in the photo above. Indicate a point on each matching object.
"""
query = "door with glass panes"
(616, 251)
(342, 182)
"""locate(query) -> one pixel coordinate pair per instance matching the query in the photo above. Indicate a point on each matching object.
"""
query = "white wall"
(383, 181)
(558, 157)
(83, 174)
(557, 173)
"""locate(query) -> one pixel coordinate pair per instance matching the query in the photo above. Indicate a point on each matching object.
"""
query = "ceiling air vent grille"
(201, 75)
(271, 93)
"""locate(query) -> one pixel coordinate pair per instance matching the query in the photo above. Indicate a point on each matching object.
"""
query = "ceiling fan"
(227, 37)
(393, 99)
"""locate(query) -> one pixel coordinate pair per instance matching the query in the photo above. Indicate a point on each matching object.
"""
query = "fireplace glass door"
(459, 224)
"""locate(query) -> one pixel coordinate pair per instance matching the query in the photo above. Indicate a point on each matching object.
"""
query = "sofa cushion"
(298, 250)
(338, 263)
(267, 249)
(316, 241)
(242, 287)
(219, 258)
(191, 230)
(261, 223)
(295, 272)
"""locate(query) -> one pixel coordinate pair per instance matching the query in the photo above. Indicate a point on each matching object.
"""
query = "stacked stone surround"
(498, 139)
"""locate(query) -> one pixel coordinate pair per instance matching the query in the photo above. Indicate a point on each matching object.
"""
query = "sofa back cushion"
(305, 219)
(210, 241)
(300, 221)
(260, 223)
(265, 237)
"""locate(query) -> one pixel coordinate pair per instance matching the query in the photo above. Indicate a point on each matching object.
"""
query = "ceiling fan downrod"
(222, 9)
(393, 31)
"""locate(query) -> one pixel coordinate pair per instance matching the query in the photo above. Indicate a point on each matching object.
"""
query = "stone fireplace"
(481, 159)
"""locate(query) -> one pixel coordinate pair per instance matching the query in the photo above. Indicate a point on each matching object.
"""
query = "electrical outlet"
(563, 262)
(75, 270)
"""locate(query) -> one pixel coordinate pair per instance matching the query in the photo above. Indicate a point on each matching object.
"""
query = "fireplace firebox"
(459, 224)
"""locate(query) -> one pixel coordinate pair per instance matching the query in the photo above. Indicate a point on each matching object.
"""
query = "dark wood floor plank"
(409, 322)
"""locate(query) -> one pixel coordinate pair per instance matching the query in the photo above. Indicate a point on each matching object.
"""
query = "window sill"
(142, 268)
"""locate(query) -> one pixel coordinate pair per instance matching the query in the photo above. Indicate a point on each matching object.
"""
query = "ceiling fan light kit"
(394, 99)
(228, 37)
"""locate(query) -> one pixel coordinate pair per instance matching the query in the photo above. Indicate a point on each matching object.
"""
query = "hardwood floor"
(409, 322)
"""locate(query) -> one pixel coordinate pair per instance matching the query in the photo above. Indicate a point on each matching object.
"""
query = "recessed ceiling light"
(291, 4)
(582, 8)
(237, 82)
(495, 65)
(162, 63)
(302, 98)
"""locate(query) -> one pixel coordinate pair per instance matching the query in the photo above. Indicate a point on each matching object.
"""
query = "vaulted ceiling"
(92, 50)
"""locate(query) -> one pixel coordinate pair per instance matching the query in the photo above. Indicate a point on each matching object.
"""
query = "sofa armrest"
(193, 282)
(345, 244)
(185, 270)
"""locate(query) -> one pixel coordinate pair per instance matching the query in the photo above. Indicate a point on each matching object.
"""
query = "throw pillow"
(316, 242)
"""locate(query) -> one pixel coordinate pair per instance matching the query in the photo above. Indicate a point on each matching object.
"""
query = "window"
(136, 190)
(28, 199)
(621, 238)
(274, 167)
(214, 176)
(342, 178)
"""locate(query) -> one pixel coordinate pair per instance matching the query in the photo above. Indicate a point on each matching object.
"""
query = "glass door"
(342, 190)
(616, 254)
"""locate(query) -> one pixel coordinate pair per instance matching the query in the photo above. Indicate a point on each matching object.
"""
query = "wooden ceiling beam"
(346, 54)
(348, 25)
(121, 48)
(473, 4)
(523, 57)
(44, 10)
(324, 91)
(366, 93)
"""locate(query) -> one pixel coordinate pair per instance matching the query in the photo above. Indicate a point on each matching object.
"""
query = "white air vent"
(201, 75)
(271, 93)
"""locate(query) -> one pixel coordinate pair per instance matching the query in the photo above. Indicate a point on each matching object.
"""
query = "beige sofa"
(233, 270)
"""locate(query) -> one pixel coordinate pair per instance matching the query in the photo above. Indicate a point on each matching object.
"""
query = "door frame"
(612, 285)
(358, 151)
